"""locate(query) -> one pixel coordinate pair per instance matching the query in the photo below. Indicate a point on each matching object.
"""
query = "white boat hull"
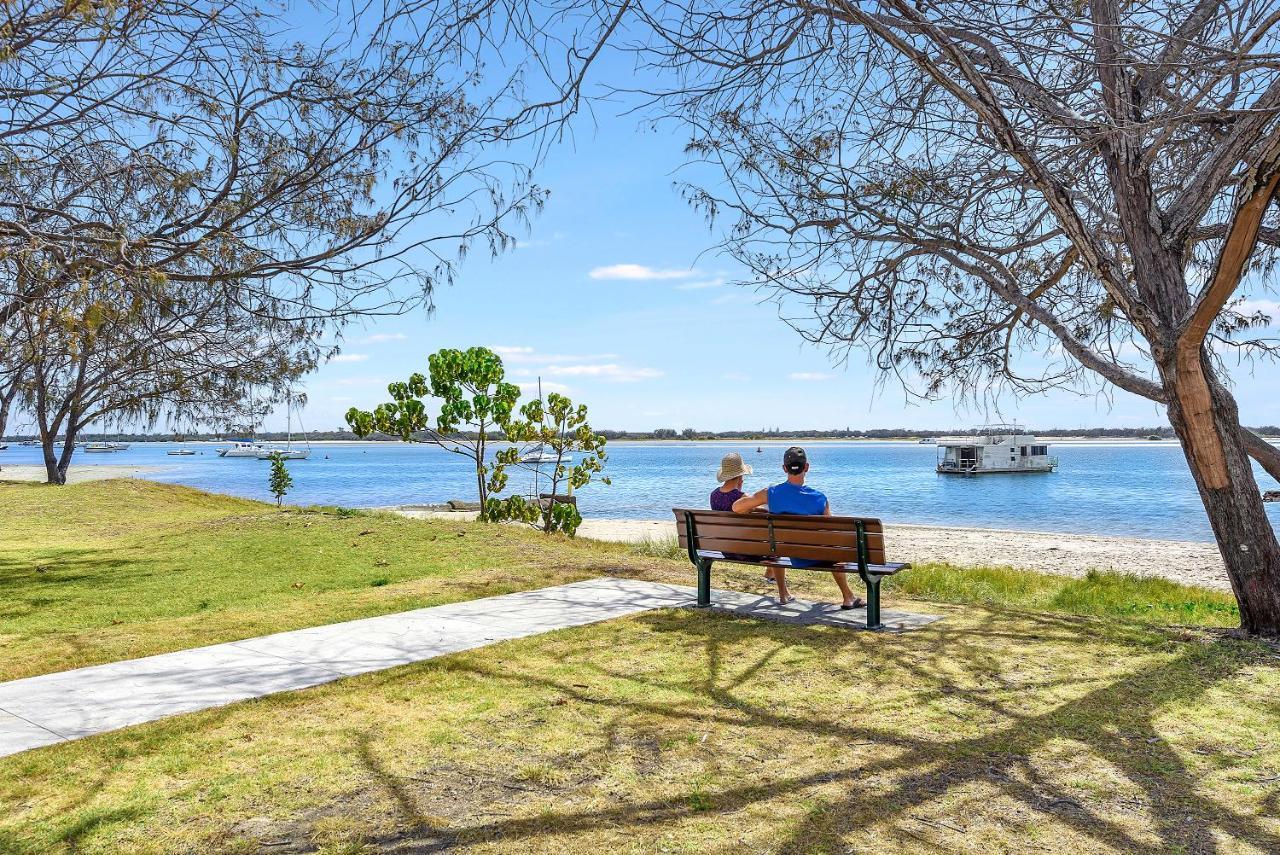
(284, 453)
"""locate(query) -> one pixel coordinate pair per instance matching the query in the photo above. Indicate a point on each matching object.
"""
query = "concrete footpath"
(52, 708)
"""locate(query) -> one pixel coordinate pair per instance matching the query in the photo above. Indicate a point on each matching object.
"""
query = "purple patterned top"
(722, 501)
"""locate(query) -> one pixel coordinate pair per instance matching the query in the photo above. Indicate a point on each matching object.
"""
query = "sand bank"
(76, 474)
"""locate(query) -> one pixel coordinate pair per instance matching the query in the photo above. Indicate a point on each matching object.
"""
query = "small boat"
(540, 457)
(3, 447)
(30, 443)
(105, 447)
(995, 449)
(927, 440)
(240, 448)
(759, 450)
(180, 452)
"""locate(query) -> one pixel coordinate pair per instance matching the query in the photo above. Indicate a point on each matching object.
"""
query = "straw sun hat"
(731, 466)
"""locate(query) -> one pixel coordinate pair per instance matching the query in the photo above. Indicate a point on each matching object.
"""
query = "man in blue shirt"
(793, 497)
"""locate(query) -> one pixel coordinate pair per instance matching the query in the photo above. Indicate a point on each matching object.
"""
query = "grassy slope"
(110, 570)
(1012, 725)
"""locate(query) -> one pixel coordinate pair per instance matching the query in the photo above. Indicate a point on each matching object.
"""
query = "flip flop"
(858, 603)
(789, 599)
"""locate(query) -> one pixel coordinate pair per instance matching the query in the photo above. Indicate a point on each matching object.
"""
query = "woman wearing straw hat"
(732, 469)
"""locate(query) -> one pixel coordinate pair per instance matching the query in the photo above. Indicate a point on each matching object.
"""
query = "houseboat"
(995, 448)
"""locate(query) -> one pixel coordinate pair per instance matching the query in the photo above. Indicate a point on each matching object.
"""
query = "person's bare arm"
(827, 512)
(747, 504)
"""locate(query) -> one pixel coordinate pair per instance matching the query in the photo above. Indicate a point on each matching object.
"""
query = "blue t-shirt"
(788, 498)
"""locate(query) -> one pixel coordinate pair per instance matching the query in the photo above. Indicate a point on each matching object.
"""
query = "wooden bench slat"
(849, 567)
(789, 550)
(799, 521)
(783, 533)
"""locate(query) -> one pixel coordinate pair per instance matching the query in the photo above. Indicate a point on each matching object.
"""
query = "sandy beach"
(76, 474)
(1189, 562)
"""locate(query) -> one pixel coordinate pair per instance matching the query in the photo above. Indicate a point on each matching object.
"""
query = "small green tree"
(475, 399)
(559, 427)
(280, 480)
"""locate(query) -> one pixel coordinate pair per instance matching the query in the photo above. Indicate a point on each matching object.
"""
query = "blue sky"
(614, 298)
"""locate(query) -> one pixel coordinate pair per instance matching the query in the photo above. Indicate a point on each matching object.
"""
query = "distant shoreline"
(781, 443)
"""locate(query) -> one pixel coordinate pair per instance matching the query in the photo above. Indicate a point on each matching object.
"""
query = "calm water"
(1141, 488)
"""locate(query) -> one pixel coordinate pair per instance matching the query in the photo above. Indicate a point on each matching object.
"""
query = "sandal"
(790, 599)
(858, 603)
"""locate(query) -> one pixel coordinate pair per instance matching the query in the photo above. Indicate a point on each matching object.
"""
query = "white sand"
(1049, 552)
(1189, 562)
(76, 474)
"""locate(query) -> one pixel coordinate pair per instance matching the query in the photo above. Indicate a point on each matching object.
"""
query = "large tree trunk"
(1205, 417)
(53, 473)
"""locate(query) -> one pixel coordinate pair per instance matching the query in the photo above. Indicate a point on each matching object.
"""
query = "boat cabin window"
(1024, 451)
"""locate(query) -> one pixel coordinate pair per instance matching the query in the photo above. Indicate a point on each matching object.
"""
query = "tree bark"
(53, 473)
(1205, 417)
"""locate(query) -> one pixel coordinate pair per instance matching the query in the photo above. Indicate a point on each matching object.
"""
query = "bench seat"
(843, 544)
(785, 563)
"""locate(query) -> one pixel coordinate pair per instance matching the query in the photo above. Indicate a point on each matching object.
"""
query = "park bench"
(849, 544)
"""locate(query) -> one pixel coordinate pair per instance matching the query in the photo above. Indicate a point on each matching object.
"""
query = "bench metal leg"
(704, 583)
(873, 601)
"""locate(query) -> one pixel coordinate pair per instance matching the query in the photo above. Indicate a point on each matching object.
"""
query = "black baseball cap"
(795, 460)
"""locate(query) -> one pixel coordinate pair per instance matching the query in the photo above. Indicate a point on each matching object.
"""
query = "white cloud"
(810, 376)
(638, 272)
(350, 357)
(382, 338)
(508, 352)
(547, 386)
(609, 371)
(529, 362)
(526, 355)
(700, 284)
(379, 383)
(1267, 307)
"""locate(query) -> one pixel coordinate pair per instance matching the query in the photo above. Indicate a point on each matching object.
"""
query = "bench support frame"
(702, 565)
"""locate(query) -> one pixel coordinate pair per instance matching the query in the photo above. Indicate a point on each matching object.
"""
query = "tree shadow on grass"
(1115, 717)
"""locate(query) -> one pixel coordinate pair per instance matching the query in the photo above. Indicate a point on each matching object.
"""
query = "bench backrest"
(762, 535)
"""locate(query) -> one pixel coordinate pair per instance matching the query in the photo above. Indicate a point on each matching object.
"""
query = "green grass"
(1044, 713)
(109, 570)
(678, 731)
(1099, 593)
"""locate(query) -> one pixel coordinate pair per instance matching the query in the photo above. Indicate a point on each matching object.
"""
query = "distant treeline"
(672, 434)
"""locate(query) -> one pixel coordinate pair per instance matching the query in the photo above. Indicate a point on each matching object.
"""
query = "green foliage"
(1104, 594)
(279, 480)
(559, 427)
(472, 385)
(475, 398)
